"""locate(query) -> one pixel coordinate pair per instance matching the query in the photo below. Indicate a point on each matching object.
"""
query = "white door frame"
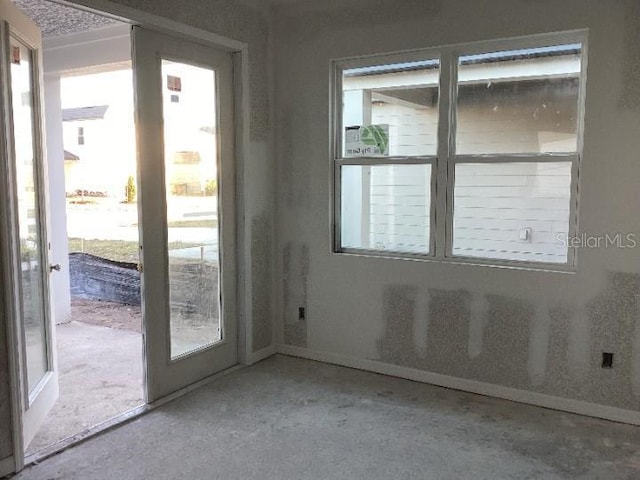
(166, 374)
(27, 408)
(240, 51)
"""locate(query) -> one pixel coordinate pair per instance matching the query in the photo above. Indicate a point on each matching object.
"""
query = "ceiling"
(56, 20)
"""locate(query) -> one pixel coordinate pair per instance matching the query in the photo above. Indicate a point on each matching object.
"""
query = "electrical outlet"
(301, 313)
(525, 234)
(607, 360)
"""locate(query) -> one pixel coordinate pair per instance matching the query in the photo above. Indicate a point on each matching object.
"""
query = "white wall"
(533, 330)
(57, 198)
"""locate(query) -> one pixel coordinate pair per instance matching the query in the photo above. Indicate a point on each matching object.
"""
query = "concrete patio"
(100, 368)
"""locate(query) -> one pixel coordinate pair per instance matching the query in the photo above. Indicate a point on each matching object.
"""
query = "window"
(390, 119)
(463, 153)
(80, 135)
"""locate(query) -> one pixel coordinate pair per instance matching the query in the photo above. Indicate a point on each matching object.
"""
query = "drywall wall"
(533, 330)
(246, 22)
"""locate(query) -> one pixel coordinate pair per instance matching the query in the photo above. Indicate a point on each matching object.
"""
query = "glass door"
(184, 121)
(25, 251)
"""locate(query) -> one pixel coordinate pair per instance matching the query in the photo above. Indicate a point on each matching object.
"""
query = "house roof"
(84, 113)
(70, 156)
(510, 55)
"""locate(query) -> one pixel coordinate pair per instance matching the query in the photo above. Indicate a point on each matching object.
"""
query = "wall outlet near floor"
(607, 360)
(301, 313)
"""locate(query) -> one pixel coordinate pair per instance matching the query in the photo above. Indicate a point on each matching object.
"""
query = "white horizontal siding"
(399, 210)
(507, 213)
(412, 131)
(505, 191)
(493, 204)
(507, 224)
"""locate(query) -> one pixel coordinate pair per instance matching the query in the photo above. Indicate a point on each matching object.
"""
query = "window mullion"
(441, 218)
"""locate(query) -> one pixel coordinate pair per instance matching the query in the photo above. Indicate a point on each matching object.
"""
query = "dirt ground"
(186, 334)
(108, 314)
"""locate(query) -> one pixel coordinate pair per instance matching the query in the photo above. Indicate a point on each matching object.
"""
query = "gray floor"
(100, 372)
(287, 418)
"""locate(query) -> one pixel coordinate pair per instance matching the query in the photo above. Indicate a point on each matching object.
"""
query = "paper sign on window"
(15, 55)
(372, 140)
(174, 84)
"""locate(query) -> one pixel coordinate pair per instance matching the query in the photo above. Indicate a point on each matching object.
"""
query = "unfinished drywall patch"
(505, 352)
(510, 343)
(295, 288)
(399, 314)
(564, 367)
(578, 350)
(538, 344)
(449, 320)
(262, 318)
(477, 309)
(614, 319)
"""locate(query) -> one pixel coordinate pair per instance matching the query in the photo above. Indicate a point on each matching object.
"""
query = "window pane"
(190, 128)
(402, 98)
(386, 207)
(32, 288)
(519, 101)
(512, 211)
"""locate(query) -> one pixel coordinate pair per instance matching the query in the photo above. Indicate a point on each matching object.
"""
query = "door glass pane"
(191, 174)
(386, 207)
(32, 287)
(519, 101)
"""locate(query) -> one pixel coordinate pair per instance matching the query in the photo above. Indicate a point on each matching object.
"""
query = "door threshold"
(119, 420)
(78, 438)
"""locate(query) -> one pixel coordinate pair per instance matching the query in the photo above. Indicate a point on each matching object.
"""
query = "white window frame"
(444, 162)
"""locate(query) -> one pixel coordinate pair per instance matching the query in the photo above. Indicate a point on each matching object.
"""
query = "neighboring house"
(101, 142)
(100, 149)
(525, 103)
(84, 130)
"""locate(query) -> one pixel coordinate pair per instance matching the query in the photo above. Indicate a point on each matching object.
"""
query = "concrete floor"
(287, 418)
(100, 376)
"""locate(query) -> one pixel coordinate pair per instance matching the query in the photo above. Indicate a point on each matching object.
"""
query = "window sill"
(462, 261)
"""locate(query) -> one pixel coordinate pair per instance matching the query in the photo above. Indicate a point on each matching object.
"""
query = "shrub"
(211, 187)
(130, 190)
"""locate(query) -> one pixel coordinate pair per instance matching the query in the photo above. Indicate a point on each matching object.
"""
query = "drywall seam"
(507, 393)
